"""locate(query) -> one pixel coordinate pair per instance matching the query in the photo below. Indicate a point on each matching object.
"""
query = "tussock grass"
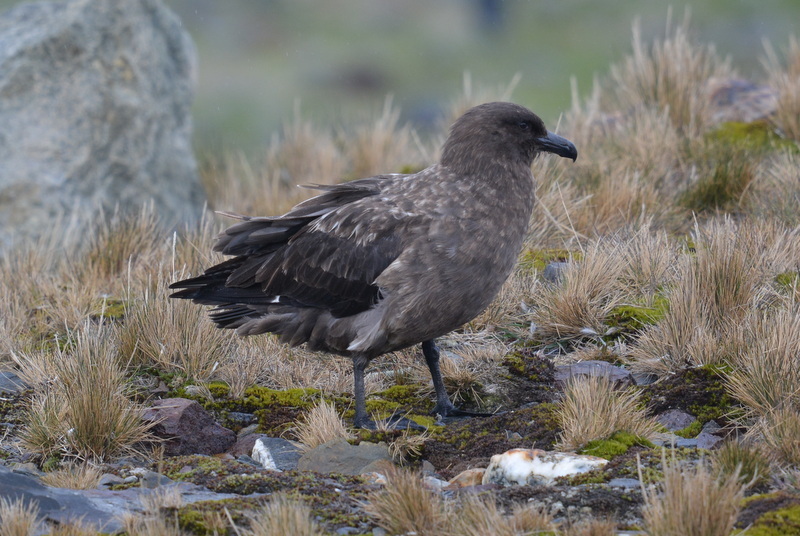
(780, 430)
(786, 80)
(407, 446)
(669, 74)
(745, 459)
(578, 306)
(320, 425)
(591, 527)
(18, 517)
(691, 501)
(776, 193)
(406, 506)
(593, 409)
(172, 335)
(73, 476)
(282, 515)
(85, 411)
(480, 517)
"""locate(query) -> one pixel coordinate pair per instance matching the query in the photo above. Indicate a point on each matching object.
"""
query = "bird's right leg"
(444, 406)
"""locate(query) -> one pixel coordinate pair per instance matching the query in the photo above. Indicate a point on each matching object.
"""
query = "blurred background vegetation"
(259, 60)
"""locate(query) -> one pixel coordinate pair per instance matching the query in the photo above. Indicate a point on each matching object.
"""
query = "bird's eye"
(524, 125)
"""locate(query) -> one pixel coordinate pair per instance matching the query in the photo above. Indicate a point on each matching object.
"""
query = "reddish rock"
(187, 428)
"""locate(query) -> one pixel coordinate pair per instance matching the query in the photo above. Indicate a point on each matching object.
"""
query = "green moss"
(635, 317)
(781, 522)
(538, 259)
(218, 389)
(604, 448)
(109, 309)
(258, 397)
(788, 280)
(629, 440)
(690, 431)
(595, 476)
(753, 137)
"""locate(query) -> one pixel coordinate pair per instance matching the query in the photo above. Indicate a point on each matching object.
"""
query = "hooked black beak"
(553, 143)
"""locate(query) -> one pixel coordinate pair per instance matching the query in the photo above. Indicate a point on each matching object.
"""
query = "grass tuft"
(406, 506)
(18, 517)
(320, 425)
(592, 409)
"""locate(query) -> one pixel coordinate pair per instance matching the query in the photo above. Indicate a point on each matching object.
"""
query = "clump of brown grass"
(136, 525)
(477, 516)
(670, 75)
(282, 515)
(590, 527)
(767, 367)
(715, 290)
(320, 425)
(780, 430)
(593, 409)
(578, 306)
(406, 506)
(650, 259)
(381, 145)
(692, 501)
(18, 517)
(85, 412)
(776, 192)
(787, 83)
(74, 476)
(408, 446)
(743, 458)
(172, 335)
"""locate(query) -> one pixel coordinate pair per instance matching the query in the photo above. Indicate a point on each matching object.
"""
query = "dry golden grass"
(478, 516)
(743, 458)
(85, 411)
(406, 506)
(136, 525)
(590, 527)
(320, 425)
(766, 374)
(776, 193)
(692, 501)
(18, 517)
(172, 335)
(280, 516)
(780, 431)
(786, 81)
(74, 476)
(577, 307)
(407, 446)
(669, 74)
(593, 409)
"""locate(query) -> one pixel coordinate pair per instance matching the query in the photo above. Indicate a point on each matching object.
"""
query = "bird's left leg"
(444, 406)
(361, 420)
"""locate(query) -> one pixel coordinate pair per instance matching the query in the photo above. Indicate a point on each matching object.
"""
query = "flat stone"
(619, 376)
(339, 456)
(10, 383)
(625, 483)
(276, 453)
(187, 428)
(675, 419)
(554, 271)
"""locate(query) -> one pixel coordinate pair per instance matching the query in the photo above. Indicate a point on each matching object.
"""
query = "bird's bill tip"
(553, 143)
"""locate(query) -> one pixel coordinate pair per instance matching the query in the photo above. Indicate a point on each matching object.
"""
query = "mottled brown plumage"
(379, 264)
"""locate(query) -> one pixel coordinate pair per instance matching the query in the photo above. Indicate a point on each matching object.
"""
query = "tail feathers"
(293, 325)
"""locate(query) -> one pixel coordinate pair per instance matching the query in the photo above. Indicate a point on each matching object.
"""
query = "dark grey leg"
(443, 404)
(361, 420)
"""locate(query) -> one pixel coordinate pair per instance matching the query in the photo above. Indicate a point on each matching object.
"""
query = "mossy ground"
(617, 444)
(773, 514)
(699, 391)
(334, 499)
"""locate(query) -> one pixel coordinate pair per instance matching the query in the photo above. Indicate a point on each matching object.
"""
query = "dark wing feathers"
(289, 258)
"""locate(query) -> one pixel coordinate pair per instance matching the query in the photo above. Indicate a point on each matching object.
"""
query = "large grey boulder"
(94, 112)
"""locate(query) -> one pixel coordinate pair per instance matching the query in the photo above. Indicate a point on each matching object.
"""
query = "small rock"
(686, 443)
(620, 377)
(109, 479)
(150, 479)
(244, 444)
(533, 466)
(470, 477)
(339, 456)
(27, 468)
(276, 453)
(554, 271)
(196, 390)
(240, 418)
(625, 483)
(375, 478)
(642, 378)
(427, 467)
(675, 419)
(244, 458)
(10, 383)
(707, 438)
(187, 428)
(130, 479)
(433, 483)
